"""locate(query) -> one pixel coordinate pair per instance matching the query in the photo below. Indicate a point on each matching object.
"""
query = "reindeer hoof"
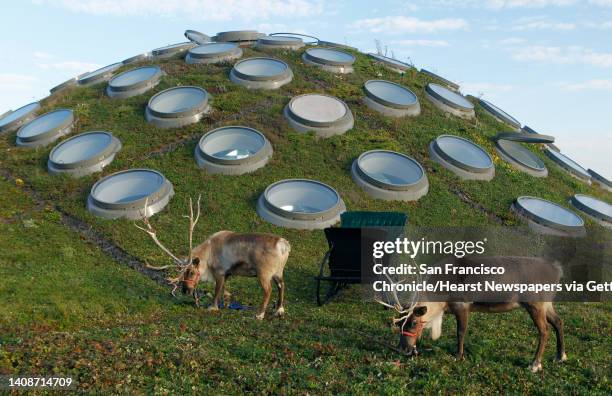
(561, 358)
(260, 316)
(535, 367)
(280, 312)
(212, 308)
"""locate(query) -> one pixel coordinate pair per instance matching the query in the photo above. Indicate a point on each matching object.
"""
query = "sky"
(546, 62)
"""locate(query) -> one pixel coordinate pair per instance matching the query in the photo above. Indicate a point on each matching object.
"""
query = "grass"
(68, 308)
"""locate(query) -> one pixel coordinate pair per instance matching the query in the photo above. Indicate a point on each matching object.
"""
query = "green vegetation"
(67, 308)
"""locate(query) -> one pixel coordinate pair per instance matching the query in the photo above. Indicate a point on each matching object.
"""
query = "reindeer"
(420, 315)
(223, 254)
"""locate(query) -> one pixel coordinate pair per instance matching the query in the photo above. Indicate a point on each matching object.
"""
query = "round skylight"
(598, 210)
(172, 50)
(449, 101)
(300, 203)
(601, 180)
(134, 82)
(311, 40)
(261, 73)
(391, 99)
(125, 193)
(100, 75)
(390, 176)
(214, 53)
(145, 56)
(323, 114)
(46, 128)
(178, 106)
(500, 114)
(233, 150)
(391, 63)
(332, 60)
(279, 42)
(463, 157)
(547, 217)
(66, 84)
(12, 120)
(525, 137)
(568, 165)
(83, 154)
(448, 83)
(197, 37)
(521, 158)
(246, 36)
(528, 129)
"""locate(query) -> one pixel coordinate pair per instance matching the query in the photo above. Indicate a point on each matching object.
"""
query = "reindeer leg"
(219, 283)
(267, 290)
(280, 285)
(557, 324)
(461, 316)
(538, 315)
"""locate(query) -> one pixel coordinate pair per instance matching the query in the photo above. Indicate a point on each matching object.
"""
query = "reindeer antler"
(403, 311)
(192, 223)
(153, 234)
(181, 264)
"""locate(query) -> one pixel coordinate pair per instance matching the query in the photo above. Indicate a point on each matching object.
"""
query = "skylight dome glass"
(124, 194)
(332, 60)
(323, 114)
(391, 63)
(500, 114)
(311, 40)
(261, 73)
(446, 82)
(449, 101)
(46, 128)
(172, 50)
(14, 119)
(391, 99)
(598, 210)
(100, 75)
(240, 36)
(390, 176)
(525, 137)
(178, 106)
(197, 37)
(214, 53)
(463, 157)
(66, 84)
(521, 158)
(548, 217)
(601, 180)
(300, 203)
(233, 150)
(134, 82)
(569, 165)
(145, 56)
(83, 154)
(279, 42)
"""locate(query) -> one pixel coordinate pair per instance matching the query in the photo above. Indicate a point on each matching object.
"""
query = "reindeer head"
(410, 320)
(411, 326)
(190, 277)
(189, 272)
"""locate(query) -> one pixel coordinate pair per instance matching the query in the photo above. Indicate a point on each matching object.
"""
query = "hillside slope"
(314, 335)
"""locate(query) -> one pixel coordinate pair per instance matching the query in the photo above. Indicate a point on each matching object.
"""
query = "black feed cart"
(341, 265)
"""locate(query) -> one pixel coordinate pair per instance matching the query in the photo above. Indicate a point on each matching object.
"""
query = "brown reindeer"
(227, 253)
(428, 315)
